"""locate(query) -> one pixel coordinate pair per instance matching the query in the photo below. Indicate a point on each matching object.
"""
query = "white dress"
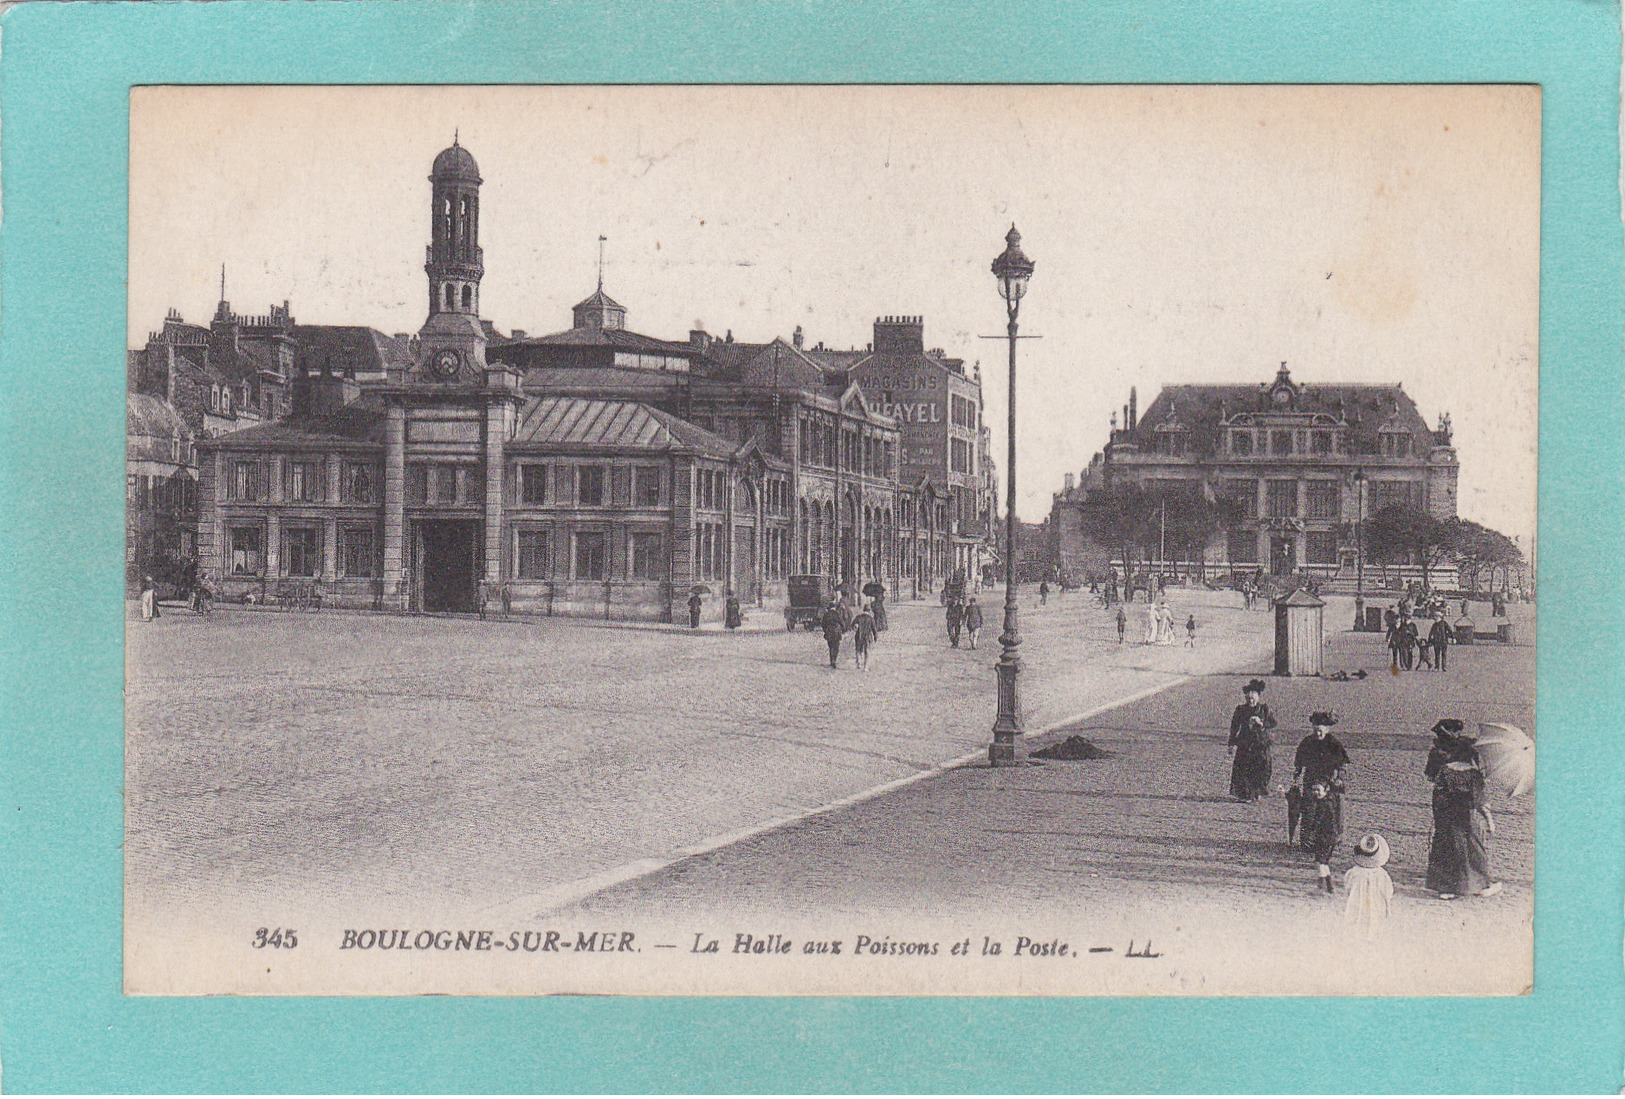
(1151, 624)
(1370, 891)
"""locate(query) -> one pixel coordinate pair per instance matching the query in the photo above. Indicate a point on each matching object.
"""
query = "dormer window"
(1241, 443)
(1396, 444)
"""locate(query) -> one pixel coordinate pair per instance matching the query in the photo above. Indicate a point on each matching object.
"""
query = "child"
(1122, 625)
(1190, 632)
(1369, 886)
(863, 632)
(1319, 830)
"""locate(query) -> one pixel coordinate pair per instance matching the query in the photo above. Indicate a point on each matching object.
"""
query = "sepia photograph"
(908, 540)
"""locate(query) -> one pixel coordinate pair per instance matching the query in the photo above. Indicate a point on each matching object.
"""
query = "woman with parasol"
(1318, 769)
(1459, 855)
(1249, 741)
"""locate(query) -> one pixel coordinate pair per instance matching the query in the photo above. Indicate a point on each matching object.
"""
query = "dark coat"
(832, 624)
(973, 616)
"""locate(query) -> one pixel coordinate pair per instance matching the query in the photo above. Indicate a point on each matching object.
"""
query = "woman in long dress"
(1318, 770)
(1459, 855)
(1250, 727)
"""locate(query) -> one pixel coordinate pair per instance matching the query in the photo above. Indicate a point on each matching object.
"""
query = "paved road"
(1143, 845)
(284, 766)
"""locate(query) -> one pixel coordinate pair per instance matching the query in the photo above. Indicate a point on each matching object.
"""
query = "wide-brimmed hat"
(1449, 726)
(1257, 685)
(1372, 850)
(1323, 717)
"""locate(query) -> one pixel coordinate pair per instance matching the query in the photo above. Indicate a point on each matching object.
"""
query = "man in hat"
(1249, 742)
(1318, 769)
(1369, 887)
(1439, 639)
(834, 625)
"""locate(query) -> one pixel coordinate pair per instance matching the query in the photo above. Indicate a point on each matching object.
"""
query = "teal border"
(65, 76)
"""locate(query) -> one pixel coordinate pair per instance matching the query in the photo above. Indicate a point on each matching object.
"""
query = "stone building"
(160, 478)
(1303, 464)
(592, 471)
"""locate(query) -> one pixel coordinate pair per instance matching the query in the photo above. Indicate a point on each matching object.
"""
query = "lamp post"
(1359, 550)
(1012, 269)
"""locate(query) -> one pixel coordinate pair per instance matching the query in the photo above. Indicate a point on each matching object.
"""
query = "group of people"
(964, 619)
(733, 615)
(1458, 854)
(1409, 649)
(1159, 626)
(865, 626)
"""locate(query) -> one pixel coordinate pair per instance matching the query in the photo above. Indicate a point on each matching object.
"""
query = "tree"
(1117, 518)
(1480, 549)
(1189, 517)
(1399, 534)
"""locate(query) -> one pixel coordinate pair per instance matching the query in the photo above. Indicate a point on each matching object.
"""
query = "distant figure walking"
(863, 633)
(1165, 624)
(694, 605)
(956, 618)
(1152, 621)
(973, 621)
(1439, 638)
(1122, 625)
(833, 625)
(732, 617)
(1249, 742)
(1190, 632)
(1043, 592)
(879, 607)
(149, 600)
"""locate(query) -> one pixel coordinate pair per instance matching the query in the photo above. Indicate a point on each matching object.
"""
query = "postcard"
(863, 540)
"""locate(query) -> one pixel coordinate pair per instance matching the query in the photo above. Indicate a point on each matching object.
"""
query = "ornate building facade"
(1303, 465)
(594, 471)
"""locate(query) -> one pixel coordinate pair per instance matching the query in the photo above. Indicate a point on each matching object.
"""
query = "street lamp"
(1012, 269)
(1359, 550)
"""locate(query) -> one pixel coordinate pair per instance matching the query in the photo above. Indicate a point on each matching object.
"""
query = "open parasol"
(700, 589)
(874, 589)
(1507, 756)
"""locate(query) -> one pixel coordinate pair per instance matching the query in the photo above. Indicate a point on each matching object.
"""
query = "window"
(1320, 547)
(1245, 494)
(446, 297)
(647, 559)
(1282, 499)
(1281, 442)
(357, 555)
(533, 562)
(468, 297)
(533, 484)
(590, 557)
(1241, 443)
(303, 478)
(646, 486)
(1323, 499)
(1321, 442)
(958, 456)
(130, 489)
(302, 551)
(247, 550)
(1396, 444)
(417, 484)
(1242, 546)
(358, 484)
(1171, 443)
(245, 481)
(445, 484)
(1386, 494)
(590, 487)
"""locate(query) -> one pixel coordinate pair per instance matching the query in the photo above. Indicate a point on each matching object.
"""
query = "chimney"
(1133, 409)
(900, 334)
(517, 334)
(1071, 483)
(795, 338)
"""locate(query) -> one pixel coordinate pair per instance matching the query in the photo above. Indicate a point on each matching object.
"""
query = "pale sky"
(1181, 234)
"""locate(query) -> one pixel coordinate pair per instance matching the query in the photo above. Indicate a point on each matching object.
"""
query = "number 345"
(275, 937)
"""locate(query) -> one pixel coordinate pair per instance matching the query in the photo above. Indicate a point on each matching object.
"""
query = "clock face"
(1281, 396)
(446, 363)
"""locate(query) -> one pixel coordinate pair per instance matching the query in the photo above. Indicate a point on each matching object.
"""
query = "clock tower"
(452, 341)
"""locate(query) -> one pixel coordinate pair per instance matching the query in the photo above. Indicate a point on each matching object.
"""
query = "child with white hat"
(1370, 889)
